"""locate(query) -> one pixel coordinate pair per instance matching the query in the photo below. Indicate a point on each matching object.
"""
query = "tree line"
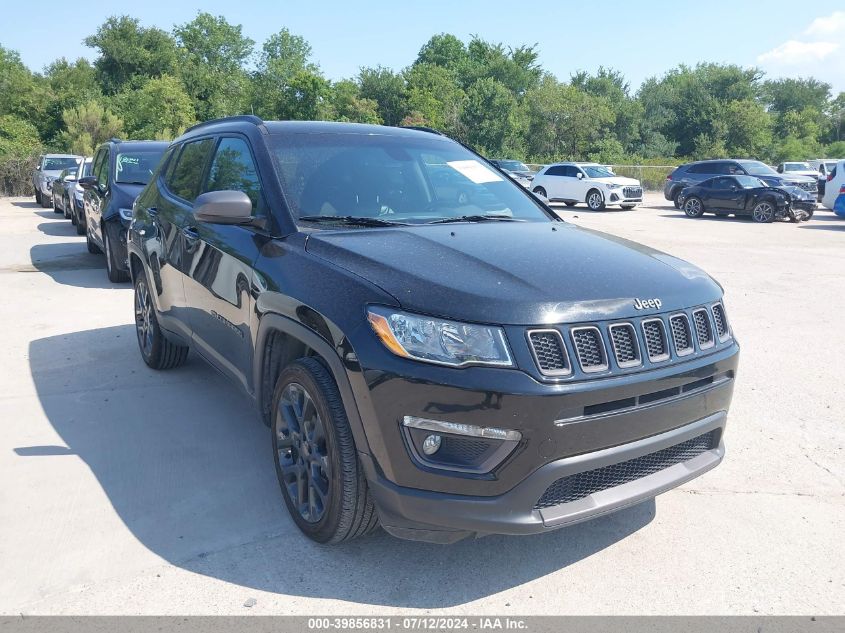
(149, 83)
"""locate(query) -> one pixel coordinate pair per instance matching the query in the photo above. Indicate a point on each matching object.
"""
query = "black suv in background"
(420, 363)
(119, 171)
(695, 173)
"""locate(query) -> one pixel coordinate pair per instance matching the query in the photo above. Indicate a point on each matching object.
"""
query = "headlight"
(439, 341)
(614, 186)
(126, 214)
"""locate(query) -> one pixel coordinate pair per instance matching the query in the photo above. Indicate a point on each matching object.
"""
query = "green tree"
(489, 115)
(17, 137)
(130, 53)
(387, 89)
(158, 109)
(748, 128)
(70, 86)
(345, 103)
(212, 54)
(22, 94)
(443, 50)
(88, 125)
(515, 68)
(435, 98)
(628, 112)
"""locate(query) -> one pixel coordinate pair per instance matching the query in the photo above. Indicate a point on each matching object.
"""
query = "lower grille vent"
(580, 485)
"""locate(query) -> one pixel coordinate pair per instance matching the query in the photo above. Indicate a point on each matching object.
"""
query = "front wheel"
(764, 212)
(322, 481)
(92, 247)
(38, 195)
(595, 200)
(54, 202)
(157, 351)
(540, 192)
(66, 207)
(693, 207)
(808, 214)
(676, 200)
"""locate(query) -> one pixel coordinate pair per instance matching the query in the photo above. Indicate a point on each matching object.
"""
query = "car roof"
(62, 156)
(141, 144)
(576, 163)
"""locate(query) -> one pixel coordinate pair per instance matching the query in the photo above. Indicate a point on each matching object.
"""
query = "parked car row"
(384, 297)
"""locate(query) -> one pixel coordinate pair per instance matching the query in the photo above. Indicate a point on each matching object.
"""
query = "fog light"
(431, 444)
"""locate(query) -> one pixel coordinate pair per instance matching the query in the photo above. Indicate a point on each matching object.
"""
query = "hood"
(51, 173)
(812, 175)
(798, 192)
(786, 180)
(618, 180)
(528, 273)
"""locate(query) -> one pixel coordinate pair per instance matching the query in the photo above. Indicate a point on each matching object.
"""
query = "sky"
(642, 39)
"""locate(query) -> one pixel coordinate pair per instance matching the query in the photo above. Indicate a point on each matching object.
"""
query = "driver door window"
(233, 169)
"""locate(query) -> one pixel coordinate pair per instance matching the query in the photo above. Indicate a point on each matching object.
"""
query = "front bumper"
(445, 518)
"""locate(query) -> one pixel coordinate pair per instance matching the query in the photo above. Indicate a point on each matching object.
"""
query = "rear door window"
(184, 179)
(556, 170)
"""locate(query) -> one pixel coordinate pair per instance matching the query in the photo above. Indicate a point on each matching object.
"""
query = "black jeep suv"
(441, 366)
(119, 171)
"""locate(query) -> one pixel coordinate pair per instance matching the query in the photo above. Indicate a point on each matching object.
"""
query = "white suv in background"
(591, 183)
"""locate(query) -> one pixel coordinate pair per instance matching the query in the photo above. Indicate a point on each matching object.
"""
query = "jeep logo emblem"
(642, 304)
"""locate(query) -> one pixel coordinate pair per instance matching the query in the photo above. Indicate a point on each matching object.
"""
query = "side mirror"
(69, 178)
(38, 168)
(88, 182)
(580, 175)
(223, 207)
(780, 169)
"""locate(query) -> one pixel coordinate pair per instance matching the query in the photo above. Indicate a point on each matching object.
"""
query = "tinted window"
(97, 170)
(185, 177)
(556, 170)
(233, 169)
(136, 166)
(730, 168)
(722, 183)
(598, 171)
(702, 168)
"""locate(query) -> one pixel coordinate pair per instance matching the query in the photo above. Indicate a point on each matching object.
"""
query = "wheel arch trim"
(275, 323)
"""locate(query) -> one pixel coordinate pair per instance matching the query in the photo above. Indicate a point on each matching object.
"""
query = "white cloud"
(795, 53)
(818, 52)
(827, 26)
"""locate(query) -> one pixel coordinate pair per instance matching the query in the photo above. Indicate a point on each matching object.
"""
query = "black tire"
(693, 207)
(80, 225)
(570, 203)
(56, 209)
(92, 247)
(157, 351)
(540, 191)
(595, 200)
(317, 454)
(676, 198)
(763, 212)
(46, 203)
(116, 275)
(73, 219)
(66, 208)
(808, 214)
(38, 196)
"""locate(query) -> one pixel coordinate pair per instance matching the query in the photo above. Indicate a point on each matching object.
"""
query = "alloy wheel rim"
(595, 201)
(143, 318)
(763, 211)
(693, 207)
(302, 453)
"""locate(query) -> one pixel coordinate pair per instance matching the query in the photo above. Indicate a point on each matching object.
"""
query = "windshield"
(86, 168)
(750, 182)
(797, 167)
(58, 164)
(392, 178)
(756, 168)
(513, 165)
(137, 167)
(597, 171)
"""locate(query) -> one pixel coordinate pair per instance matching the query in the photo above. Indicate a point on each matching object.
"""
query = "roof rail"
(245, 118)
(422, 128)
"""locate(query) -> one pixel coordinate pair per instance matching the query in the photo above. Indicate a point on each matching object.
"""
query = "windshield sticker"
(475, 171)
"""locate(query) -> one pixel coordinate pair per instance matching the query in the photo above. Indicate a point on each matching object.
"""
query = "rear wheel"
(317, 464)
(47, 202)
(66, 207)
(80, 224)
(676, 199)
(38, 196)
(156, 350)
(764, 212)
(116, 274)
(595, 200)
(693, 207)
(540, 192)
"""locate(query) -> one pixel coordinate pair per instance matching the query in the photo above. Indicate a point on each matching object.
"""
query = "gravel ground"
(127, 491)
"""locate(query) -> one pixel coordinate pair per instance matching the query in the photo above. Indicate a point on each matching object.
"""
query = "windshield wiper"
(476, 218)
(349, 219)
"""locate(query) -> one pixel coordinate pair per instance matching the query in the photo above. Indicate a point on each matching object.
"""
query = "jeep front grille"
(549, 352)
(703, 330)
(721, 322)
(590, 349)
(681, 334)
(623, 336)
(655, 340)
(580, 485)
